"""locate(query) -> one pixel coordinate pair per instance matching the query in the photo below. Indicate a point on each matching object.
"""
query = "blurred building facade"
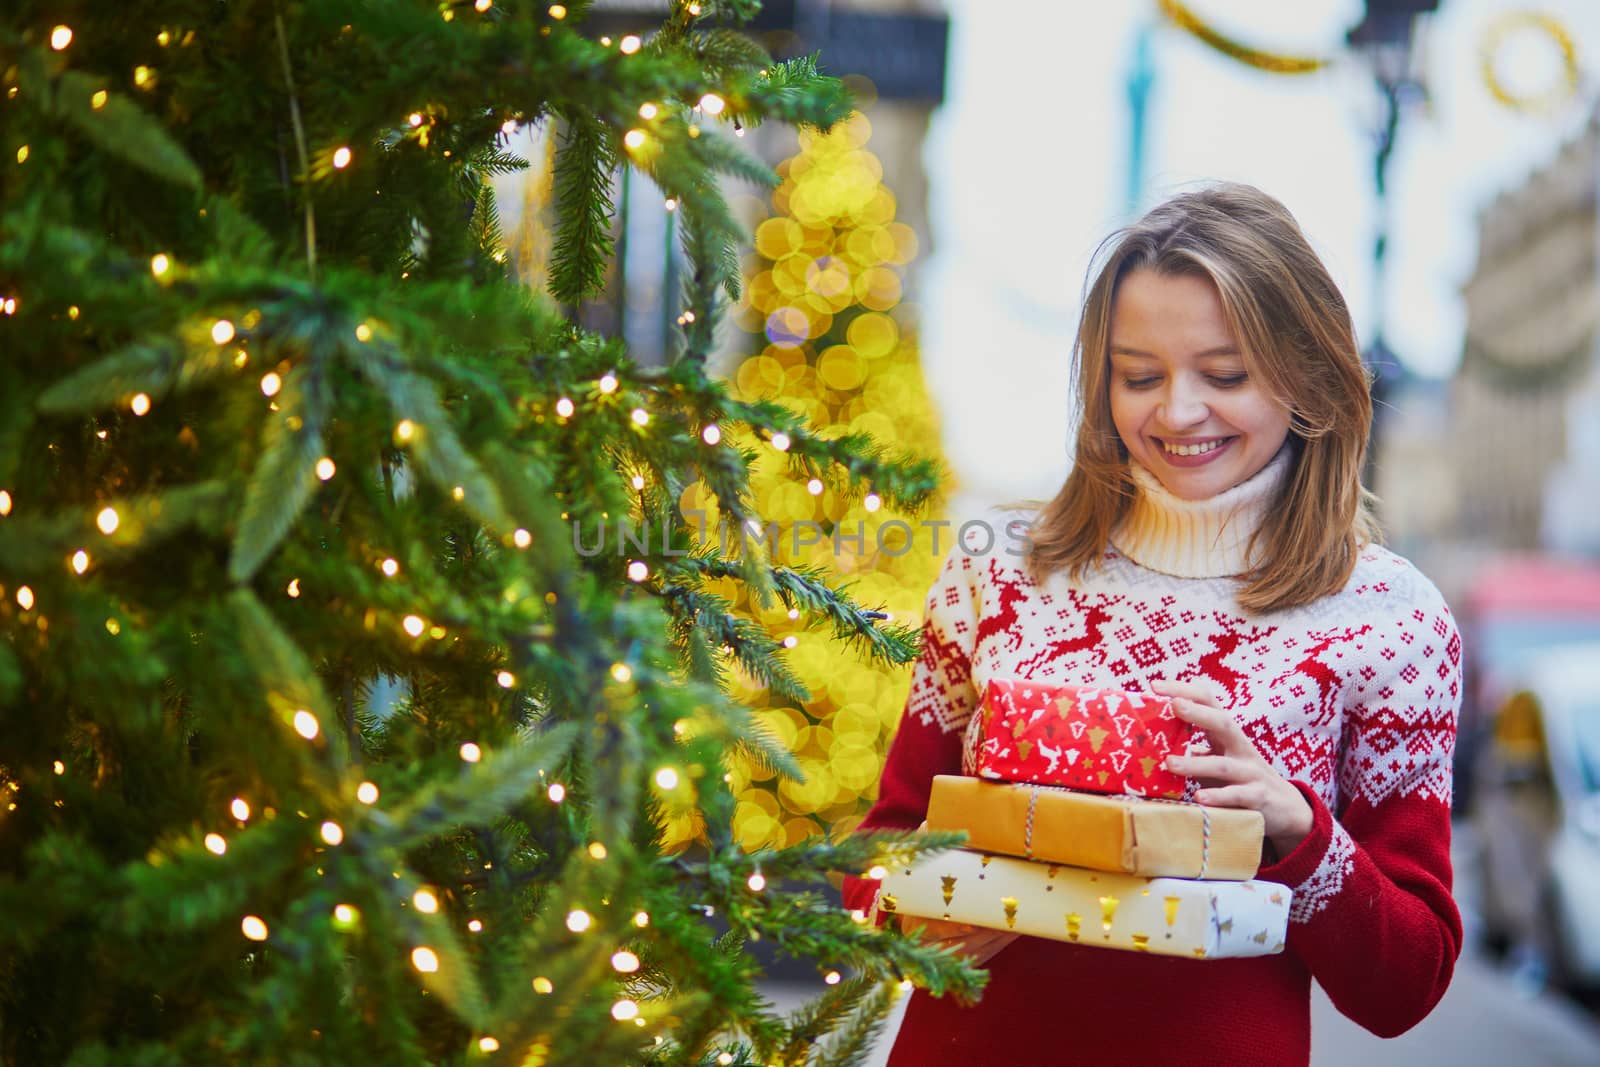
(1506, 456)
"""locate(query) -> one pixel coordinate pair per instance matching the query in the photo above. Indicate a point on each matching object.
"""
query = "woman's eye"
(1139, 383)
(1230, 381)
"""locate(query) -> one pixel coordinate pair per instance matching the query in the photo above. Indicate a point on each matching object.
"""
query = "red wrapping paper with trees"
(1102, 740)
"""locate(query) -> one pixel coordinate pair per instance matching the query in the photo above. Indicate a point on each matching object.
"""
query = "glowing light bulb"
(5, 502)
(59, 767)
(814, 487)
(98, 99)
(641, 416)
(671, 204)
(565, 408)
(780, 441)
(790, 641)
(25, 598)
(578, 920)
(363, 332)
(215, 844)
(483, 5)
(648, 111)
(389, 567)
(332, 833)
(367, 793)
(424, 959)
(160, 263)
(326, 469)
(344, 914)
(872, 502)
(240, 809)
(757, 882)
(621, 672)
(141, 75)
(270, 384)
(107, 520)
(624, 962)
(505, 679)
(305, 724)
(222, 331)
(558, 11)
(293, 588)
(471, 753)
(667, 778)
(341, 158)
(425, 901)
(140, 404)
(415, 118)
(557, 793)
(725, 1058)
(476, 926)
(624, 1009)
(22, 154)
(629, 44)
(253, 928)
(633, 138)
(486, 1043)
(543, 985)
(80, 561)
(413, 625)
(712, 104)
(794, 613)
(711, 434)
(832, 977)
(638, 570)
(637, 481)
(641, 919)
(878, 872)
(60, 38)
(597, 850)
(608, 383)
(521, 538)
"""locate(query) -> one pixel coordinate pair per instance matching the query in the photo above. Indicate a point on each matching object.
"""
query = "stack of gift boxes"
(1076, 831)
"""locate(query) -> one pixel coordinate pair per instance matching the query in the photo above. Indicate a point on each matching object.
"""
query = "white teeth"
(1192, 450)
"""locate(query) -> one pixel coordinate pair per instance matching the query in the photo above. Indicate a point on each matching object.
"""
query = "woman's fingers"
(1252, 795)
(1200, 694)
(1216, 768)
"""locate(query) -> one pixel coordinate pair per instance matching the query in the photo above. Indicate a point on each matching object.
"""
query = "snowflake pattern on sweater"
(1352, 698)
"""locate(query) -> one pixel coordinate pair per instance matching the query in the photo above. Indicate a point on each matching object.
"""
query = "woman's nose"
(1182, 407)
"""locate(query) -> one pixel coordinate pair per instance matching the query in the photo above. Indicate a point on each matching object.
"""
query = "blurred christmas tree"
(840, 350)
(322, 742)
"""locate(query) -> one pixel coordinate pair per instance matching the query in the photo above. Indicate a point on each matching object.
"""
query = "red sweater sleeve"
(1373, 918)
(943, 696)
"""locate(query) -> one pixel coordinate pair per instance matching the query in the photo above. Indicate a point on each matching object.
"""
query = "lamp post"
(1383, 38)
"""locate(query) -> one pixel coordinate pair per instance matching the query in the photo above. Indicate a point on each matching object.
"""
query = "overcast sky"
(1028, 162)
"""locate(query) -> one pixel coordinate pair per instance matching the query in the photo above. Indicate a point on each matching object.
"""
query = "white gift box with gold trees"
(1168, 916)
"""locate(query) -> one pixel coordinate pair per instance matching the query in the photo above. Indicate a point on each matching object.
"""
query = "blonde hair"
(1294, 328)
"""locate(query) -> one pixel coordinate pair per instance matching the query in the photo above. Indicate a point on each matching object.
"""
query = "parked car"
(1515, 607)
(1537, 816)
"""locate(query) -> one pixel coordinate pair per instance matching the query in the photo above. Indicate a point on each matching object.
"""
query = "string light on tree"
(624, 1009)
(270, 384)
(597, 850)
(780, 441)
(345, 915)
(521, 538)
(222, 331)
(253, 928)
(557, 792)
(471, 753)
(341, 158)
(608, 383)
(638, 570)
(140, 404)
(757, 882)
(641, 919)
(629, 44)
(326, 469)
(367, 793)
(425, 959)
(634, 138)
(305, 724)
(160, 263)
(578, 920)
(332, 833)
(216, 844)
(5, 503)
(240, 808)
(80, 561)
(505, 679)
(565, 408)
(667, 778)
(487, 1043)
(390, 567)
(624, 962)
(60, 38)
(107, 520)
(413, 625)
(712, 104)
(543, 985)
(425, 901)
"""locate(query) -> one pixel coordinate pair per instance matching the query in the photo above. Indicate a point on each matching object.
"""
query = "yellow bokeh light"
(253, 928)
(60, 38)
(270, 384)
(367, 793)
(425, 960)
(215, 844)
(108, 521)
(305, 724)
(425, 901)
(222, 331)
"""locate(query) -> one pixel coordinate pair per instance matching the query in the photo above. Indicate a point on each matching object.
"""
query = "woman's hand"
(1234, 773)
(978, 943)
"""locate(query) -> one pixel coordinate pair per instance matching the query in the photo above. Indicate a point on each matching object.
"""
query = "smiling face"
(1182, 400)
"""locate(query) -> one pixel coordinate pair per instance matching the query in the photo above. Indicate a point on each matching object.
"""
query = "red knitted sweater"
(1353, 699)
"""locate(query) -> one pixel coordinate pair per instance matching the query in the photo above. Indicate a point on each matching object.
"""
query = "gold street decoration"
(1562, 88)
(1185, 19)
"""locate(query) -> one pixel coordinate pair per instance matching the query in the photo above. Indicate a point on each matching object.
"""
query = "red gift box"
(1102, 740)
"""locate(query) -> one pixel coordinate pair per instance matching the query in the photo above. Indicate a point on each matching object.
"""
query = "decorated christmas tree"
(320, 741)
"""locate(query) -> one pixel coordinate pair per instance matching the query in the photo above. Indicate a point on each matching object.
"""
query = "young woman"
(1213, 543)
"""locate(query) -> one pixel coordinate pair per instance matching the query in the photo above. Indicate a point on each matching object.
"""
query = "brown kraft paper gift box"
(1131, 835)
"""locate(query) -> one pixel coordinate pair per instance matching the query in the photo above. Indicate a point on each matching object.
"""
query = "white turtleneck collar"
(1197, 538)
